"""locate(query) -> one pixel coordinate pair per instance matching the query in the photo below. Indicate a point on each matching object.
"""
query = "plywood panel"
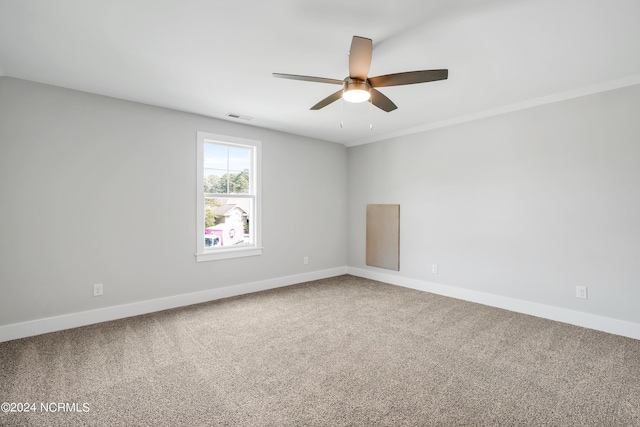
(383, 236)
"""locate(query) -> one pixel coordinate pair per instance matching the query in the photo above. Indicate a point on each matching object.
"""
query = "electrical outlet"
(305, 260)
(581, 292)
(434, 268)
(97, 290)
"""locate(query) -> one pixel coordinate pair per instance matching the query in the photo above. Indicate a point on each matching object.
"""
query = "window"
(228, 197)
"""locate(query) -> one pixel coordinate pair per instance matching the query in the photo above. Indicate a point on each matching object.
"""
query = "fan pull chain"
(370, 116)
(341, 115)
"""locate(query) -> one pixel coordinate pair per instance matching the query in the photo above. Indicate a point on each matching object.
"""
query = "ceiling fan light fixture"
(356, 92)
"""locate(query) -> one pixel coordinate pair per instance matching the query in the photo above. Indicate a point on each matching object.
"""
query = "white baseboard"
(74, 320)
(586, 320)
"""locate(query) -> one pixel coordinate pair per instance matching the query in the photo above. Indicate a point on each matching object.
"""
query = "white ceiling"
(212, 57)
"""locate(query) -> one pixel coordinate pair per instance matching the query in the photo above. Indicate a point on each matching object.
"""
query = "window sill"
(228, 254)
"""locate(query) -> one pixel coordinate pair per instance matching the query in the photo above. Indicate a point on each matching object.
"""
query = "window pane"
(227, 222)
(239, 159)
(214, 183)
(239, 182)
(215, 156)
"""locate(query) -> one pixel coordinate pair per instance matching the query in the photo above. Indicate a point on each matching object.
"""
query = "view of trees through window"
(229, 183)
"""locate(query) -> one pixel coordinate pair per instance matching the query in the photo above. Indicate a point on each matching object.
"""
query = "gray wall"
(525, 205)
(99, 190)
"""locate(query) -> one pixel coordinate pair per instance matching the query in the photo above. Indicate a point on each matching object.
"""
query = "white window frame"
(255, 224)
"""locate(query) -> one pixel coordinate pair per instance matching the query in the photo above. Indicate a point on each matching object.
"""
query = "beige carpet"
(344, 351)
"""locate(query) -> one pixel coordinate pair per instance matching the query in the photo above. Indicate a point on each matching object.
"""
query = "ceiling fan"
(358, 87)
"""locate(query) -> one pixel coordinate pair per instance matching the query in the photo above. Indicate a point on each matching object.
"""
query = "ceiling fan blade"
(381, 101)
(408, 78)
(360, 57)
(308, 78)
(328, 100)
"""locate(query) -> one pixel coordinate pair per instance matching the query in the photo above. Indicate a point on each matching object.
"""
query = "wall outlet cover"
(581, 292)
(97, 290)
